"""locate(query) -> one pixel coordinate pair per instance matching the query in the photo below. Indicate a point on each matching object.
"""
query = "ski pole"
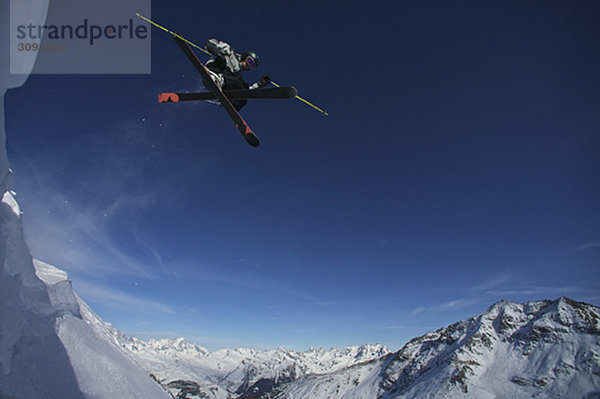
(172, 33)
(305, 102)
(206, 52)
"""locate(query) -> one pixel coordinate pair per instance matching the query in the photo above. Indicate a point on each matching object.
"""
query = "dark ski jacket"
(227, 64)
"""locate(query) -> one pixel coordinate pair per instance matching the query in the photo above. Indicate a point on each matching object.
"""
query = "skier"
(227, 67)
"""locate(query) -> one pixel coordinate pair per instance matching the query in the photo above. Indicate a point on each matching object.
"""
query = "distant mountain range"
(228, 373)
(545, 349)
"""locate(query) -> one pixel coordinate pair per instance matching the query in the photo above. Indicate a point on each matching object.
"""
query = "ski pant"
(226, 82)
(233, 83)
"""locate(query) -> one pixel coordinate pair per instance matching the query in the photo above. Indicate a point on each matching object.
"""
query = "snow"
(9, 199)
(29, 345)
(49, 274)
(50, 346)
(102, 368)
(53, 345)
(223, 373)
(360, 382)
(546, 349)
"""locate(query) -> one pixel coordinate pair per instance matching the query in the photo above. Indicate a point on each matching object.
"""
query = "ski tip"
(168, 98)
(252, 139)
(248, 134)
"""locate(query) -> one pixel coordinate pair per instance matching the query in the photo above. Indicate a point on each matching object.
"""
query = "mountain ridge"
(536, 349)
(547, 348)
(240, 371)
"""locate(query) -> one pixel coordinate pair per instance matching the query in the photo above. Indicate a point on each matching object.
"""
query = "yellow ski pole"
(172, 33)
(206, 52)
(305, 102)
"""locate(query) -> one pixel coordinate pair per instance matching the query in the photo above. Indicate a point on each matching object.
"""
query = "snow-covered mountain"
(233, 373)
(101, 366)
(48, 348)
(106, 363)
(547, 349)
(51, 344)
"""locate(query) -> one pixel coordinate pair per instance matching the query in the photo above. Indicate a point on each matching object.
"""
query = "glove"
(264, 81)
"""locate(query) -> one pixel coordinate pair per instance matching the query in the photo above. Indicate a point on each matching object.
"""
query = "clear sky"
(459, 166)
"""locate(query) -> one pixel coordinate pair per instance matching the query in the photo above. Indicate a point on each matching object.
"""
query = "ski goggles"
(250, 62)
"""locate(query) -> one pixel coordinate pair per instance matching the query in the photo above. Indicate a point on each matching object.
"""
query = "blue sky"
(458, 166)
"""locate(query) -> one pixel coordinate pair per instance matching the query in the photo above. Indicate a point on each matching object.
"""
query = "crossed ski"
(224, 97)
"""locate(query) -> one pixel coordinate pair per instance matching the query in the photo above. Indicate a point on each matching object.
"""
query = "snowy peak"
(545, 349)
(538, 322)
(529, 346)
(186, 368)
(567, 315)
(266, 370)
(312, 360)
(174, 348)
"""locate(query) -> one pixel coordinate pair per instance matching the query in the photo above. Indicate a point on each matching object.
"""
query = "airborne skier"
(227, 66)
(222, 76)
(207, 80)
